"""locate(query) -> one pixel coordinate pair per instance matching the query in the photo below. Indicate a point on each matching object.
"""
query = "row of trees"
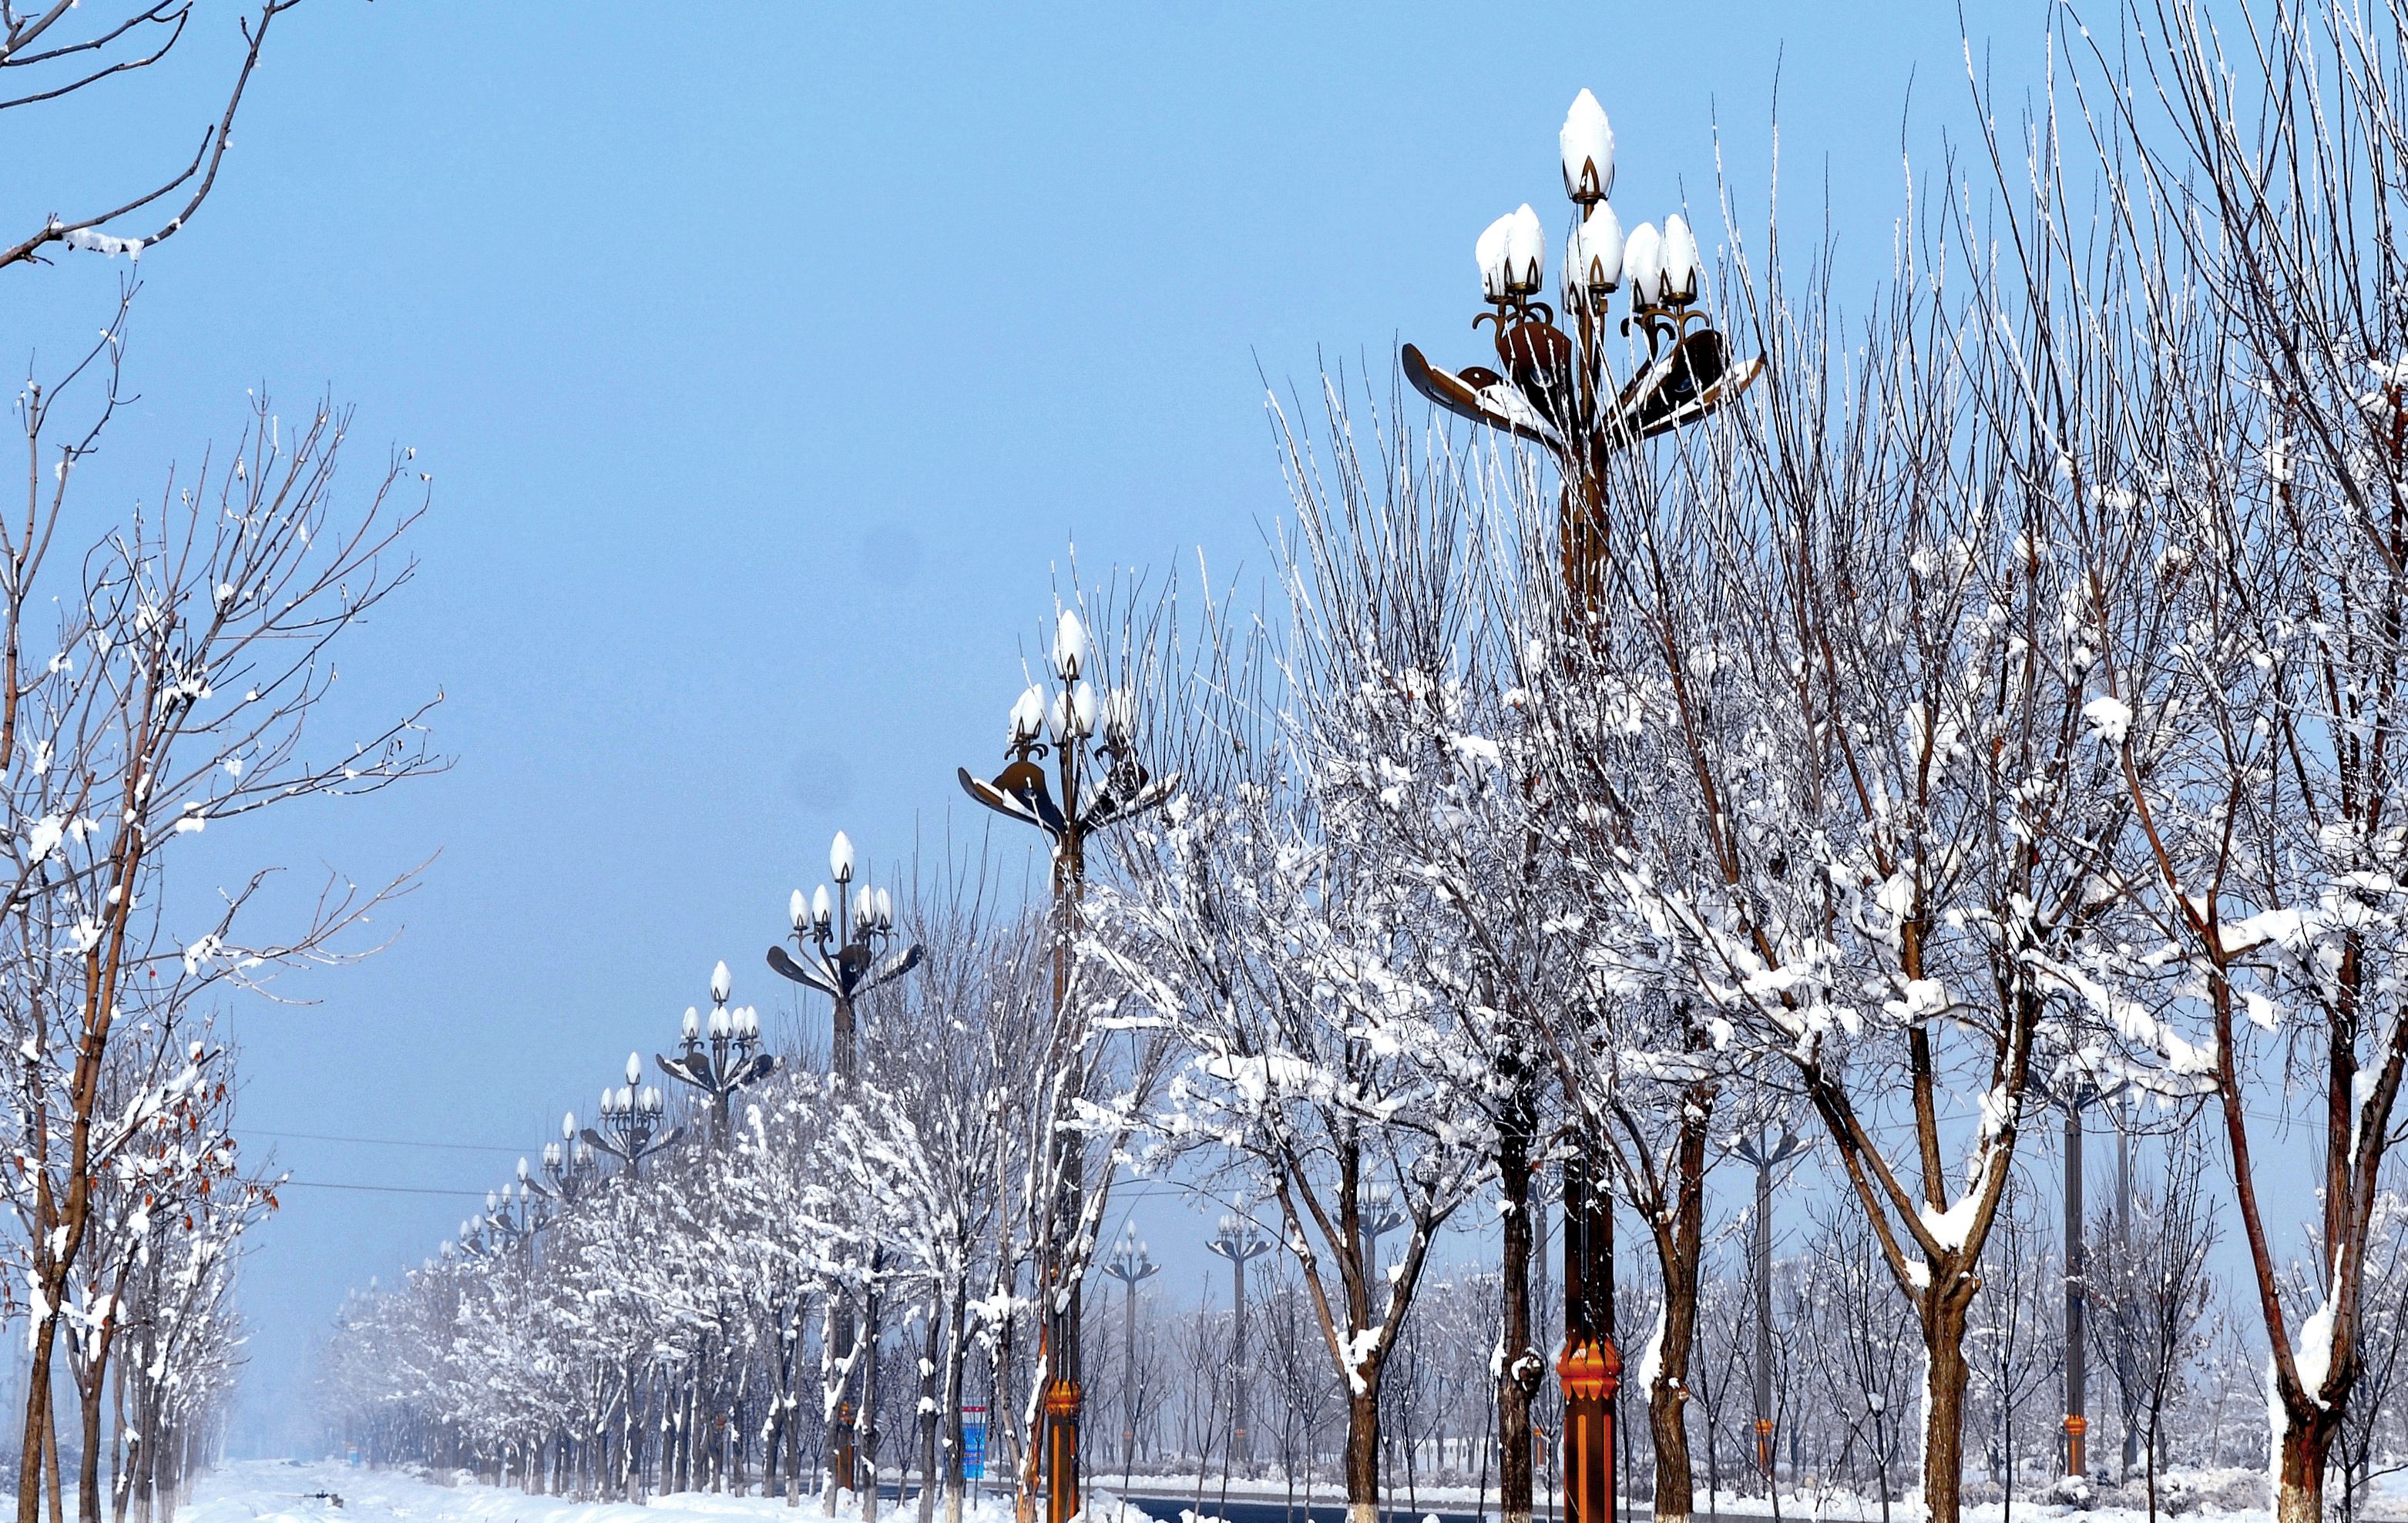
(160, 666)
(2000, 701)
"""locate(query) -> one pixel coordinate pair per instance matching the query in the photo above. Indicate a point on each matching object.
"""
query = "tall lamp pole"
(1097, 780)
(1766, 1152)
(1129, 1264)
(843, 949)
(728, 1060)
(1554, 386)
(1239, 1241)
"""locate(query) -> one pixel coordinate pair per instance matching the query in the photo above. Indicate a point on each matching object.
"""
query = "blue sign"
(974, 1444)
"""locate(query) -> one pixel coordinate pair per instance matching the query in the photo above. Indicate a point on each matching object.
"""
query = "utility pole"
(1238, 1241)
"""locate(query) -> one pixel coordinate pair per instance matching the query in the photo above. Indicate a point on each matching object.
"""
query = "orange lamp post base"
(1589, 1373)
(2076, 1426)
(1062, 1401)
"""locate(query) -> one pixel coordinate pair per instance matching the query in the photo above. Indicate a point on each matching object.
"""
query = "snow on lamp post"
(1096, 779)
(1129, 1264)
(632, 1120)
(843, 949)
(721, 1054)
(1239, 1241)
(1553, 385)
(1765, 1153)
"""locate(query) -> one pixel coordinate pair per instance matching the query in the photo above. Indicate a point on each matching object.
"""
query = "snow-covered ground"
(291, 1491)
(294, 1491)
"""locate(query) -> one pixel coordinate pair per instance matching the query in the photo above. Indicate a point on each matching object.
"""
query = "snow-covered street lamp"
(721, 1054)
(568, 1163)
(1129, 1264)
(844, 947)
(1239, 1241)
(1553, 385)
(1097, 780)
(632, 1120)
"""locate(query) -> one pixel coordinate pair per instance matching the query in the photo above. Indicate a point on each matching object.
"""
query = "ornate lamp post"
(1239, 1241)
(843, 949)
(1129, 1264)
(632, 1120)
(731, 1060)
(1766, 1152)
(568, 1163)
(1553, 385)
(837, 941)
(1097, 780)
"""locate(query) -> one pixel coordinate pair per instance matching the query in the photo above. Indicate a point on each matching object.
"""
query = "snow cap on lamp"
(1069, 646)
(1587, 142)
(1643, 263)
(1525, 251)
(1593, 258)
(1680, 260)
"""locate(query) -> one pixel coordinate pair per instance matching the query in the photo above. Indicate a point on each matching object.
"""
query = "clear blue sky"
(767, 359)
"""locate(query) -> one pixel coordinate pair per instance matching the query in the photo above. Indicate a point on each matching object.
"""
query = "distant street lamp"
(1129, 1264)
(568, 1163)
(1767, 1152)
(1097, 779)
(837, 942)
(1379, 1214)
(731, 1059)
(632, 1120)
(1556, 389)
(1239, 1241)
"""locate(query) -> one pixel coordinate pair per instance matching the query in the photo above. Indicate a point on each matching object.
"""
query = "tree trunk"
(1363, 1450)
(928, 1392)
(2300, 1482)
(1943, 1421)
(1518, 1370)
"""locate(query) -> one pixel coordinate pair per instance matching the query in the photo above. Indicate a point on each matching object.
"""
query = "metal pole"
(2123, 1260)
(1764, 1321)
(1129, 1376)
(2076, 1423)
(841, 1437)
(1063, 1395)
(1240, 1444)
